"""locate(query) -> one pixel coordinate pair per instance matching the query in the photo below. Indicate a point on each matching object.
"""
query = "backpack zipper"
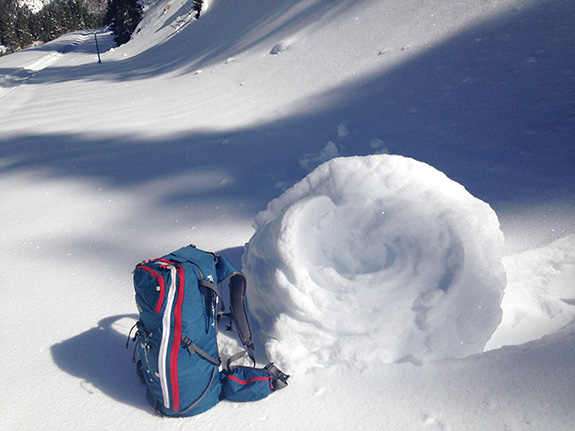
(161, 285)
(163, 354)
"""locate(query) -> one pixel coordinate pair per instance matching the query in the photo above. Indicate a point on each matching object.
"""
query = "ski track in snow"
(12, 81)
(9, 83)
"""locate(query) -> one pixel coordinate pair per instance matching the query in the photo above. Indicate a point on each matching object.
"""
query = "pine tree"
(19, 27)
(198, 4)
(8, 16)
(50, 23)
(123, 17)
(70, 13)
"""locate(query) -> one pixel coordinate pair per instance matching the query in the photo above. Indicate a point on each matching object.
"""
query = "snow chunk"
(378, 146)
(279, 48)
(376, 258)
(312, 160)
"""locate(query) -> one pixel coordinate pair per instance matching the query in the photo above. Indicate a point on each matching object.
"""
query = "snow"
(375, 259)
(34, 5)
(191, 130)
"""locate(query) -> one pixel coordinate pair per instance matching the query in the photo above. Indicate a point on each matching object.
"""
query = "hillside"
(191, 133)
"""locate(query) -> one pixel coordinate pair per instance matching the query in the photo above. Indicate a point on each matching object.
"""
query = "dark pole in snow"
(97, 48)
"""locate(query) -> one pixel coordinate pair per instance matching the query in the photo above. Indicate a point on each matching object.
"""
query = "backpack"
(177, 297)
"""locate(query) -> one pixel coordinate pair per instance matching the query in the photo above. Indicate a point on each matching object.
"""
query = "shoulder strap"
(238, 305)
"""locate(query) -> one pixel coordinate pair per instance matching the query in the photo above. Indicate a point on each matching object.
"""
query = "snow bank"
(377, 258)
(539, 298)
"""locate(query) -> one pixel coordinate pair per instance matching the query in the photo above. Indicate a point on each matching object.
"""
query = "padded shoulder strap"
(238, 305)
(225, 269)
(238, 301)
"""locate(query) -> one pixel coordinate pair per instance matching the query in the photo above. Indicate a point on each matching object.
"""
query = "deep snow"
(187, 132)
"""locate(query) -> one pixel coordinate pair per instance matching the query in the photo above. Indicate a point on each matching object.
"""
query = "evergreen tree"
(22, 29)
(8, 15)
(50, 23)
(198, 4)
(70, 14)
(19, 27)
(35, 26)
(123, 16)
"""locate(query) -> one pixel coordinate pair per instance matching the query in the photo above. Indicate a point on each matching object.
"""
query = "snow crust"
(371, 259)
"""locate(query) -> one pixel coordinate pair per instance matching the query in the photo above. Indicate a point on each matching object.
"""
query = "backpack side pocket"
(252, 384)
(246, 384)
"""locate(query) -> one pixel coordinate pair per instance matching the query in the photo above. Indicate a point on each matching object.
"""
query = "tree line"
(21, 28)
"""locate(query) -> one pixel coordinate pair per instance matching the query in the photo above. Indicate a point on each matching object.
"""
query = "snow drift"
(375, 258)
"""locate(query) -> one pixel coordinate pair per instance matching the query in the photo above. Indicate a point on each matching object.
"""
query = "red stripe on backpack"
(177, 338)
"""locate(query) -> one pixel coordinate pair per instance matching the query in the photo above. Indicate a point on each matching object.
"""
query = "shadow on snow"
(493, 108)
(99, 358)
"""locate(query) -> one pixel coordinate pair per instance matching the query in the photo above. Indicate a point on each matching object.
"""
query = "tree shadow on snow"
(98, 357)
(431, 108)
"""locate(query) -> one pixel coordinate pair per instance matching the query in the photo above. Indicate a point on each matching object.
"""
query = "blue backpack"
(180, 304)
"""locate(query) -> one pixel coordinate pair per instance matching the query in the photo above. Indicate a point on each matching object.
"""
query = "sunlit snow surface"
(377, 258)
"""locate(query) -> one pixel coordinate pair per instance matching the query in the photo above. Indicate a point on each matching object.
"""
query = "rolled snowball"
(375, 259)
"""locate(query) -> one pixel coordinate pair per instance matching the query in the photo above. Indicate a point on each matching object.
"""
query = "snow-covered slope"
(188, 131)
